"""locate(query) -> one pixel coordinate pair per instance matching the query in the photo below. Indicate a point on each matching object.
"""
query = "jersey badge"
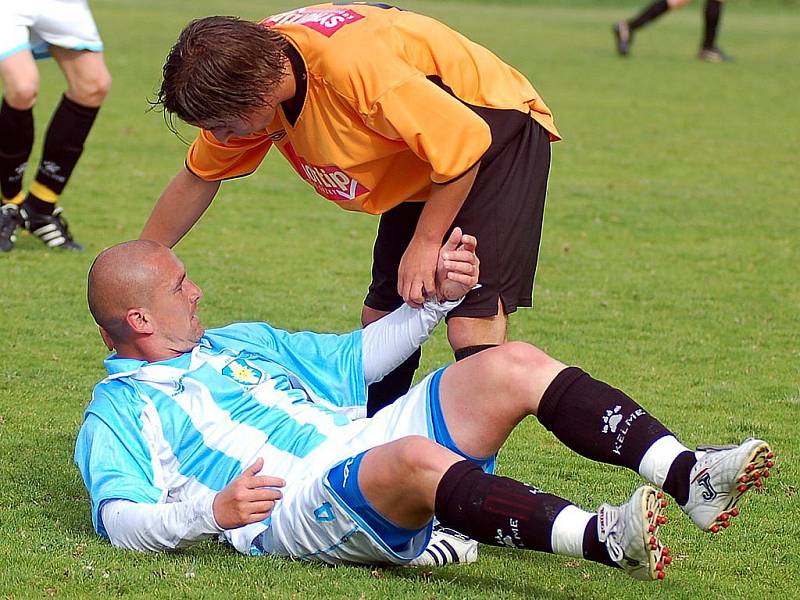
(243, 372)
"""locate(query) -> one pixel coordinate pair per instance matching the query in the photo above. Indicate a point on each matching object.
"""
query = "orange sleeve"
(437, 127)
(213, 161)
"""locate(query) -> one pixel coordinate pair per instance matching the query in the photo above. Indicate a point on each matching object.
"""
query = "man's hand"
(247, 499)
(458, 266)
(417, 272)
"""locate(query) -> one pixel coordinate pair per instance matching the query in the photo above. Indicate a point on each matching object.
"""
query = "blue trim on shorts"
(343, 479)
(14, 50)
(438, 426)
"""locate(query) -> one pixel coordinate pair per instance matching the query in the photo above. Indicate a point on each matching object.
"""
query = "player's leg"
(20, 80)
(88, 83)
(424, 479)
(711, 18)
(395, 231)
(597, 421)
(624, 30)
(504, 211)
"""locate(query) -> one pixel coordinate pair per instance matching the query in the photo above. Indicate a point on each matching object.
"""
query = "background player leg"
(711, 17)
(88, 82)
(624, 30)
(20, 89)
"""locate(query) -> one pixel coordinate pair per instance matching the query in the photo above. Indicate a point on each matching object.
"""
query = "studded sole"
(653, 503)
(752, 474)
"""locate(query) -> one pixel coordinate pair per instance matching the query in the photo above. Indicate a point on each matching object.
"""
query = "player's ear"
(138, 319)
(106, 338)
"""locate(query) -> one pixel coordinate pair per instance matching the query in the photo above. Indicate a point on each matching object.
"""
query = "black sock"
(712, 12)
(16, 141)
(677, 482)
(393, 385)
(598, 421)
(63, 146)
(463, 353)
(500, 511)
(653, 11)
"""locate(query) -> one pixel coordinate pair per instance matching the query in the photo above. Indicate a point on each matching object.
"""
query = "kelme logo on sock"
(611, 419)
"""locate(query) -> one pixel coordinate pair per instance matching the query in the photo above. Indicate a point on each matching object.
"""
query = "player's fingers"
(460, 256)
(256, 517)
(461, 278)
(264, 494)
(265, 481)
(255, 467)
(261, 507)
(414, 293)
(468, 242)
(453, 240)
(460, 267)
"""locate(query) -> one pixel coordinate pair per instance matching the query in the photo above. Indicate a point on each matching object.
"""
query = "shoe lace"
(61, 223)
(608, 518)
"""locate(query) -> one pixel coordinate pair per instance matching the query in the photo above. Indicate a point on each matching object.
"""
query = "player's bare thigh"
(20, 80)
(88, 79)
(485, 396)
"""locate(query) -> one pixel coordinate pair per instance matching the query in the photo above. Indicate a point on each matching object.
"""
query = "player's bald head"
(123, 277)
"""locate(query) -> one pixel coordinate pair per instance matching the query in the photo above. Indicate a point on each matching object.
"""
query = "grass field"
(669, 267)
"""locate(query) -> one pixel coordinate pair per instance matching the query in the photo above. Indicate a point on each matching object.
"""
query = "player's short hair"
(221, 67)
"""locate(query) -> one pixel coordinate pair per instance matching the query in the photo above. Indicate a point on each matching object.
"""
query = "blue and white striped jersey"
(170, 430)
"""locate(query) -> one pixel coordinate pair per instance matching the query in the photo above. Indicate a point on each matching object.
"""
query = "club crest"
(243, 372)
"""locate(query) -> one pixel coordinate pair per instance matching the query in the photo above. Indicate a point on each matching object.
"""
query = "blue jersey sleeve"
(331, 365)
(113, 458)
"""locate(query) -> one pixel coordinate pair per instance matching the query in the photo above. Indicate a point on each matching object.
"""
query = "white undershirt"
(386, 343)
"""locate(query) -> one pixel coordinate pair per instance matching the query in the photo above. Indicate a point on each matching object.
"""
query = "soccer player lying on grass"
(251, 433)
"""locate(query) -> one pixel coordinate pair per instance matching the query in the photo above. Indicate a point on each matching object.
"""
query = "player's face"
(257, 120)
(174, 306)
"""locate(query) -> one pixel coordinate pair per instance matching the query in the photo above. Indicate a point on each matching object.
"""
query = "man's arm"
(416, 276)
(181, 204)
(387, 342)
(249, 498)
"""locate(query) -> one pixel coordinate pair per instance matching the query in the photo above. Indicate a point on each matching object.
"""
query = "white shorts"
(37, 24)
(315, 520)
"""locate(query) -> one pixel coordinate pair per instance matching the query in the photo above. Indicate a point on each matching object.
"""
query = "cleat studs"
(735, 511)
(665, 551)
(659, 566)
(756, 475)
(649, 514)
(724, 517)
(660, 575)
(651, 529)
(653, 541)
(664, 504)
(714, 528)
(759, 484)
(744, 479)
(659, 495)
(726, 524)
(770, 464)
(770, 455)
(750, 467)
(765, 473)
(667, 560)
(741, 487)
(661, 520)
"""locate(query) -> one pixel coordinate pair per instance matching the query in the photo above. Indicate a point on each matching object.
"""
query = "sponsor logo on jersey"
(326, 21)
(330, 181)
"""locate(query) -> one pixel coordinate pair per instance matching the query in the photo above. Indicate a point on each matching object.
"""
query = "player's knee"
(515, 362)
(418, 456)
(22, 95)
(92, 90)
(673, 4)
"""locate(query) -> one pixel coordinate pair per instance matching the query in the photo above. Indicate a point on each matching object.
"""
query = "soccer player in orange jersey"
(383, 111)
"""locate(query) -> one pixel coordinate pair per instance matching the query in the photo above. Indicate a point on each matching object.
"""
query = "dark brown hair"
(220, 67)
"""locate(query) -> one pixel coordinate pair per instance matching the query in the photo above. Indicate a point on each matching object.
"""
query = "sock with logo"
(711, 15)
(603, 423)
(393, 385)
(652, 12)
(500, 511)
(63, 146)
(16, 142)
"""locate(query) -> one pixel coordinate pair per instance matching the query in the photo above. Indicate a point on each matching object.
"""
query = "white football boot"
(720, 477)
(630, 533)
(447, 547)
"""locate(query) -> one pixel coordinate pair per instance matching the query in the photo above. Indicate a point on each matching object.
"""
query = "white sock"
(566, 537)
(656, 462)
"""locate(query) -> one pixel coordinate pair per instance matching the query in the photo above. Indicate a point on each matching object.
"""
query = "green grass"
(669, 267)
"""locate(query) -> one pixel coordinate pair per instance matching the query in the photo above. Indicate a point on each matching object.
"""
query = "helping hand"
(458, 267)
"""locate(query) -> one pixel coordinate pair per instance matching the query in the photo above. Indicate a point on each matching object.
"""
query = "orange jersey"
(375, 129)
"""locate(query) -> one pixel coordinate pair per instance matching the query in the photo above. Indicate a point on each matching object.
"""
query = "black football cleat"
(9, 221)
(623, 37)
(53, 229)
